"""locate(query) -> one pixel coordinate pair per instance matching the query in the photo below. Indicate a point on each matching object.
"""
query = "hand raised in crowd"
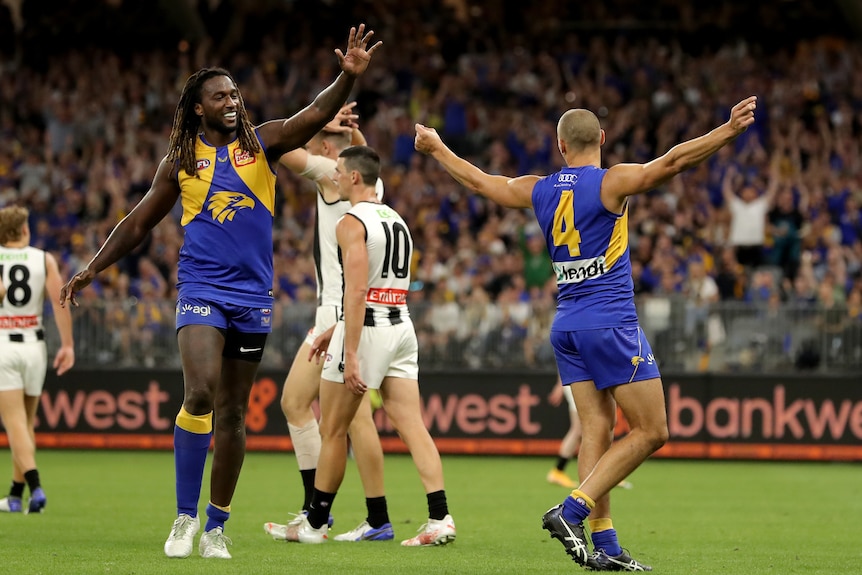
(356, 59)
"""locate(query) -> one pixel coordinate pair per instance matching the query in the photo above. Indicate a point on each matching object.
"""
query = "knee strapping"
(306, 443)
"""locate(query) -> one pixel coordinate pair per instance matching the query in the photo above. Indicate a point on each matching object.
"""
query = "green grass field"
(109, 513)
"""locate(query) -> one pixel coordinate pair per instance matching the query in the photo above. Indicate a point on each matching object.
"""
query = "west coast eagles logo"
(224, 205)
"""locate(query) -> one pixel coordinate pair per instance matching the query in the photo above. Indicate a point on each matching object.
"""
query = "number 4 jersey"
(589, 248)
(23, 273)
(390, 251)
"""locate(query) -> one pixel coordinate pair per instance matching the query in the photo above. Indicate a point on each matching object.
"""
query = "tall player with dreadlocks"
(223, 169)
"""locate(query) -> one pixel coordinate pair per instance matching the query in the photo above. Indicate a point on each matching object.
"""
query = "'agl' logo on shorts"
(201, 310)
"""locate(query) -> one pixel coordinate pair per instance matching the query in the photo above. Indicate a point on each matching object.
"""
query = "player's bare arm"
(65, 358)
(351, 239)
(623, 180)
(2, 290)
(502, 190)
(297, 161)
(131, 230)
(280, 136)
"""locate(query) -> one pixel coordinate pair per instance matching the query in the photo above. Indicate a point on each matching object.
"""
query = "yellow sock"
(600, 524)
(200, 424)
(578, 493)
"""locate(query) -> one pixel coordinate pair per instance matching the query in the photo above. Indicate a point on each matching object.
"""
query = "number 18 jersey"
(22, 271)
(589, 248)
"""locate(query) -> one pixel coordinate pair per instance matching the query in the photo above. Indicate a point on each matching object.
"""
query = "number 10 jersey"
(390, 252)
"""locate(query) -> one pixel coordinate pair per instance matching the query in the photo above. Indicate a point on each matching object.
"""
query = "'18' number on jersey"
(18, 291)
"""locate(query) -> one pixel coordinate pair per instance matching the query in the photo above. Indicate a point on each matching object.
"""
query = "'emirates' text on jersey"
(227, 217)
(23, 272)
(390, 251)
(589, 248)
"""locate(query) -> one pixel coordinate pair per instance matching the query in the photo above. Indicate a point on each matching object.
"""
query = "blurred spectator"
(537, 262)
(748, 212)
(731, 278)
(701, 291)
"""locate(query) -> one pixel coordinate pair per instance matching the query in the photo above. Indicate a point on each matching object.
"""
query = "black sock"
(319, 508)
(562, 462)
(32, 479)
(437, 506)
(308, 485)
(17, 490)
(378, 514)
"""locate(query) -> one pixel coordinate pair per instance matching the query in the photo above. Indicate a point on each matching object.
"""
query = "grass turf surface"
(109, 513)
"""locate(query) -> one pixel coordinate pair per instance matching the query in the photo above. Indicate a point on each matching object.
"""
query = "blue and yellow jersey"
(227, 217)
(589, 248)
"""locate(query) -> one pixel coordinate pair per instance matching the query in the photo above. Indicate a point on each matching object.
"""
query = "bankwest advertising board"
(722, 417)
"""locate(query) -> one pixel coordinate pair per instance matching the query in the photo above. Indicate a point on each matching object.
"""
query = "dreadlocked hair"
(181, 146)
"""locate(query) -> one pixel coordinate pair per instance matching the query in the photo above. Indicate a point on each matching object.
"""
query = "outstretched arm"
(131, 230)
(508, 192)
(623, 180)
(280, 136)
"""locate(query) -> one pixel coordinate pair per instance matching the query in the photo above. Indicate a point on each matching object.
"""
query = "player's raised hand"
(344, 121)
(358, 55)
(427, 139)
(742, 115)
(78, 282)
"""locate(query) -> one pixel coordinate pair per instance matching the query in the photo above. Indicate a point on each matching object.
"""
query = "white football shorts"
(23, 366)
(324, 318)
(384, 351)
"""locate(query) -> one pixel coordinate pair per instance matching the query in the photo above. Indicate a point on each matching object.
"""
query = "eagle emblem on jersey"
(225, 205)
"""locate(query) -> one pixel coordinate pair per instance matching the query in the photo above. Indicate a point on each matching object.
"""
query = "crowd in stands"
(775, 219)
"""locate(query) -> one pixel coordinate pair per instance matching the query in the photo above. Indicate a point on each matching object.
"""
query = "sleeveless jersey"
(390, 251)
(325, 250)
(23, 273)
(329, 278)
(227, 216)
(589, 248)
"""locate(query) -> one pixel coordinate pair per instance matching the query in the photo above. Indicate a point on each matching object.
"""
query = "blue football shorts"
(224, 316)
(608, 356)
